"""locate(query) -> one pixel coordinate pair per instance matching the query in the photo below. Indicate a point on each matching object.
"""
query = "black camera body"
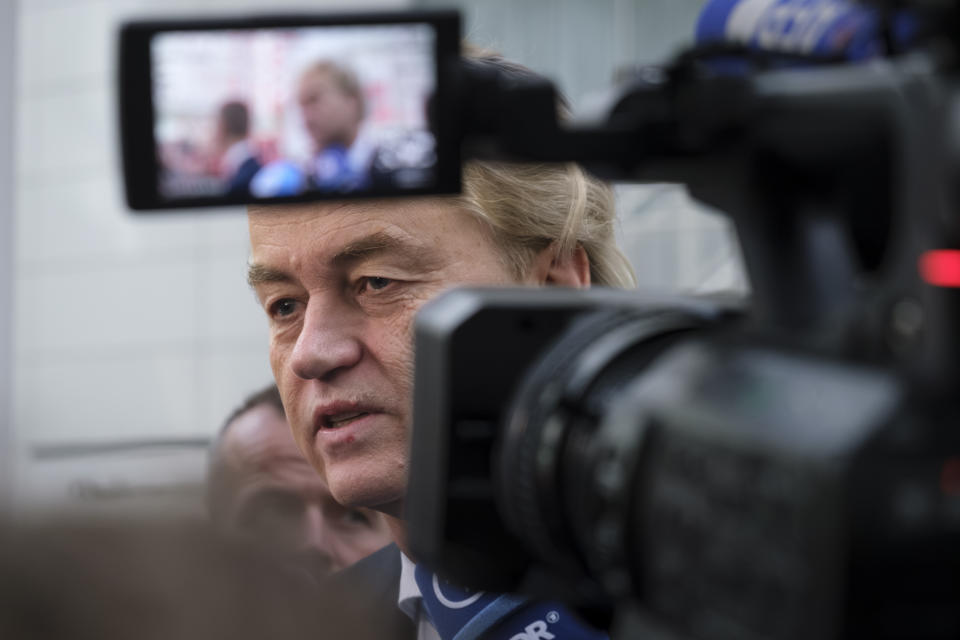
(785, 469)
(453, 512)
(655, 454)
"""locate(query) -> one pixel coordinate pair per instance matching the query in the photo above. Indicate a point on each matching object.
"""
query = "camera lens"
(553, 478)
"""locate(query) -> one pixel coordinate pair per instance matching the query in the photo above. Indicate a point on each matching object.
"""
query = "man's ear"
(566, 271)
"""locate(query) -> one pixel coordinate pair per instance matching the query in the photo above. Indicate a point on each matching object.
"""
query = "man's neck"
(398, 531)
(393, 516)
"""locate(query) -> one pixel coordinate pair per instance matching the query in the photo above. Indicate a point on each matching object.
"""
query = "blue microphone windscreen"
(827, 28)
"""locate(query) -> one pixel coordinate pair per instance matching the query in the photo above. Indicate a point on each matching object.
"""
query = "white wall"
(7, 51)
(579, 44)
(128, 329)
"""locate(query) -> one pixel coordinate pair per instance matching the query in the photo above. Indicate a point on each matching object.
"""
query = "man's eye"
(357, 517)
(375, 283)
(283, 307)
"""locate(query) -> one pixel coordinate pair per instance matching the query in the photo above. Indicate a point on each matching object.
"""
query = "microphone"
(817, 28)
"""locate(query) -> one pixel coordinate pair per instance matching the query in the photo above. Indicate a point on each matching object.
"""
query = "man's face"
(340, 284)
(330, 115)
(277, 498)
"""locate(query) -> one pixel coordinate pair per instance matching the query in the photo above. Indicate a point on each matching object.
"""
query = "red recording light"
(941, 267)
(950, 477)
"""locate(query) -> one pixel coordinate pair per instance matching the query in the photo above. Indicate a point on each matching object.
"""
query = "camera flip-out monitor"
(287, 108)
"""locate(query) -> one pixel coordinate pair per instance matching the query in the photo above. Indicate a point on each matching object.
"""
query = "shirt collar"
(235, 156)
(409, 596)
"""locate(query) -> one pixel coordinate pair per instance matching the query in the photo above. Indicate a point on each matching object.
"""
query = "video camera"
(784, 468)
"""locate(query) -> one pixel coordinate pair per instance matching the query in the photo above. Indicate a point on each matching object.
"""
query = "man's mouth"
(342, 419)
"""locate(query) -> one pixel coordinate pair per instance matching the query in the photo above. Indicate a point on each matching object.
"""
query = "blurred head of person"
(331, 101)
(79, 578)
(233, 123)
(261, 488)
(236, 159)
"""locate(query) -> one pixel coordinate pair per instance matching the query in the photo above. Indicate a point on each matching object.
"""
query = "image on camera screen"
(266, 113)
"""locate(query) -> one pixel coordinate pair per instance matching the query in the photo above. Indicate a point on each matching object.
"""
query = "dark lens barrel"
(550, 469)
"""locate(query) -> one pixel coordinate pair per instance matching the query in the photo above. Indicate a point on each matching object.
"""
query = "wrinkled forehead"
(319, 214)
(271, 224)
(371, 206)
(427, 221)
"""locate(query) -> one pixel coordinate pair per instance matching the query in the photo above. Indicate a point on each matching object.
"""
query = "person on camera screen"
(237, 161)
(341, 283)
(332, 106)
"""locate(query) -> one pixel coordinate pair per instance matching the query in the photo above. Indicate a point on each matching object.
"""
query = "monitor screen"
(265, 113)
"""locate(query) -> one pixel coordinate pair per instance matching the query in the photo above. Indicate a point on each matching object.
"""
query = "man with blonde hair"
(332, 103)
(340, 284)
(333, 108)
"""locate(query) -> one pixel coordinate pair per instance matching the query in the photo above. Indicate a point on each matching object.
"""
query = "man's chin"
(371, 495)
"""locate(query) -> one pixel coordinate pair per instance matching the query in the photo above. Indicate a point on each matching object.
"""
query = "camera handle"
(837, 179)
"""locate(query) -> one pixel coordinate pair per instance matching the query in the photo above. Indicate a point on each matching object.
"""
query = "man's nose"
(327, 343)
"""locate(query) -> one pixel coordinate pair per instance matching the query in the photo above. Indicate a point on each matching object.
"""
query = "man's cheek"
(281, 352)
(400, 342)
(286, 382)
(276, 358)
(301, 426)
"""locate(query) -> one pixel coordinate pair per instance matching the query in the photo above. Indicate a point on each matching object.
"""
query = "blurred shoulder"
(371, 588)
(380, 570)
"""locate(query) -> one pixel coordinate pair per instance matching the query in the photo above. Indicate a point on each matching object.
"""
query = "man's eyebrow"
(259, 274)
(381, 242)
(411, 254)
